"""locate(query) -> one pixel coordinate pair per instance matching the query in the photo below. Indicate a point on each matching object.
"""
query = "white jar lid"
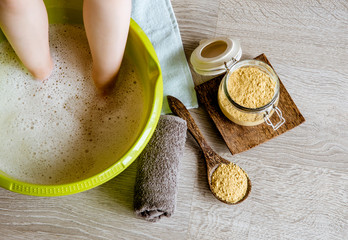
(212, 56)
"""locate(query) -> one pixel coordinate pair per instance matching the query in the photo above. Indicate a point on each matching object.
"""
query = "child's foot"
(43, 73)
(105, 84)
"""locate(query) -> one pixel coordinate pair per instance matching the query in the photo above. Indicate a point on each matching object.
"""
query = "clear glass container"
(221, 56)
(250, 116)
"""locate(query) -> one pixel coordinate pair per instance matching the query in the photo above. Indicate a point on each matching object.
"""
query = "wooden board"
(239, 138)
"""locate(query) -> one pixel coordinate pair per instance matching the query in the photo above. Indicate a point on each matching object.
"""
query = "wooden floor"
(300, 179)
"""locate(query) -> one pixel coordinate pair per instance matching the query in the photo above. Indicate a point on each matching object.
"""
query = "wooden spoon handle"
(179, 109)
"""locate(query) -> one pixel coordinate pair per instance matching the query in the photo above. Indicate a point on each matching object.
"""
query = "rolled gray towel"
(157, 172)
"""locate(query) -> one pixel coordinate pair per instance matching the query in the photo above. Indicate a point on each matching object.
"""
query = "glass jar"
(222, 55)
(246, 116)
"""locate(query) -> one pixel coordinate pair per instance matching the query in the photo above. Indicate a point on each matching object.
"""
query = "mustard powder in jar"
(248, 93)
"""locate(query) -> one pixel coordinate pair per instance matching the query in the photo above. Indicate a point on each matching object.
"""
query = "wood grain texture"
(188, 14)
(300, 182)
(239, 138)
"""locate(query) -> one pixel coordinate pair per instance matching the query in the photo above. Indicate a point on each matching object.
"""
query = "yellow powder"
(229, 183)
(249, 87)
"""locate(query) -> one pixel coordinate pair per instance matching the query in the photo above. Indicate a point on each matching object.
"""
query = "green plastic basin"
(138, 48)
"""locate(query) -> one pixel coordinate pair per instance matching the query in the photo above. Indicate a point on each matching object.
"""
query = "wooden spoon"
(212, 159)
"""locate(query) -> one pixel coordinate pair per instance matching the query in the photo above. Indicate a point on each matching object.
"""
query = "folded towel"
(157, 171)
(157, 19)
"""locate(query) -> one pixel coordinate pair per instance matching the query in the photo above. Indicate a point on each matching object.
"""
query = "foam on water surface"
(62, 130)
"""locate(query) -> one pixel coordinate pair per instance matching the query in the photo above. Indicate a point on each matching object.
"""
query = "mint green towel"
(157, 19)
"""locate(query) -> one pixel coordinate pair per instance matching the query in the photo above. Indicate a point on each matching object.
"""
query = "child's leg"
(107, 25)
(25, 25)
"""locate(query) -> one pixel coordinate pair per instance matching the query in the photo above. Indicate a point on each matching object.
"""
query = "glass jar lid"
(214, 56)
